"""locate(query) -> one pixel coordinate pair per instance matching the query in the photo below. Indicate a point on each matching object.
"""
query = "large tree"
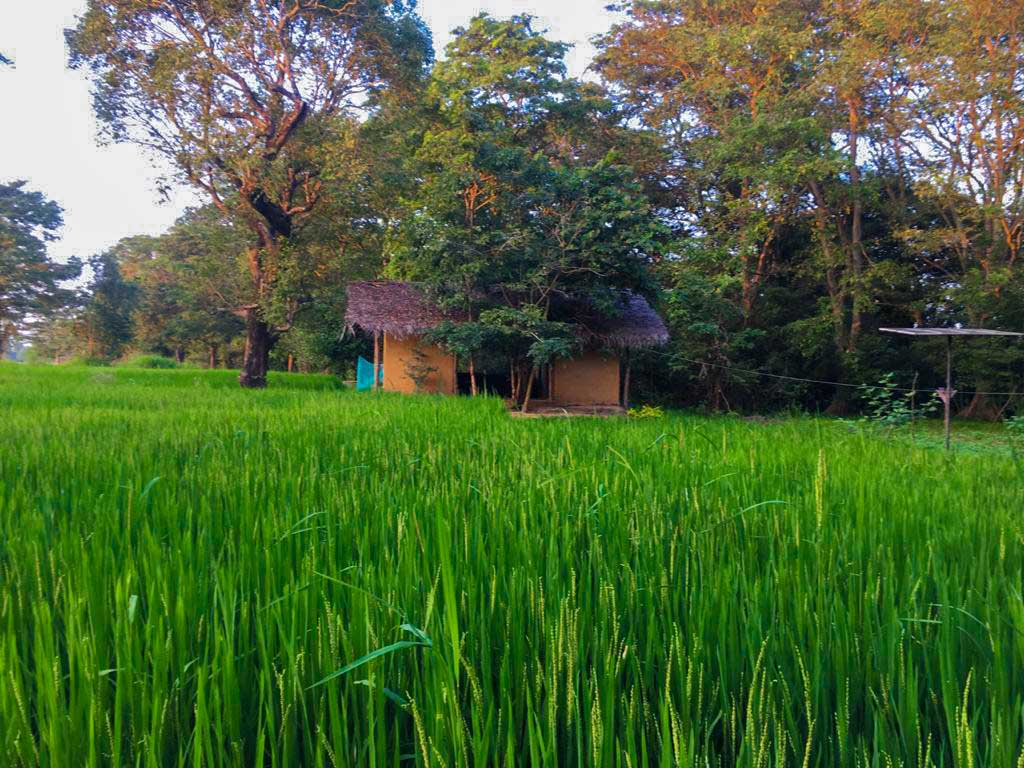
(240, 95)
(521, 208)
(188, 281)
(726, 86)
(961, 130)
(106, 321)
(30, 282)
(778, 166)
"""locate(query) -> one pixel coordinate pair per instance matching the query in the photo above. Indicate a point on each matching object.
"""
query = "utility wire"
(818, 381)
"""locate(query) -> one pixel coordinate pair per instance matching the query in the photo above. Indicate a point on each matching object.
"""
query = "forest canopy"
(781, 178)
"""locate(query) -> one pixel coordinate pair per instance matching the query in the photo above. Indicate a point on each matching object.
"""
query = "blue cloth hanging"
(364, 374)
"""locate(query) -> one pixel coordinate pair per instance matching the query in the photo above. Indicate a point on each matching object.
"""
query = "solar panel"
(946, 393)
(949, 332)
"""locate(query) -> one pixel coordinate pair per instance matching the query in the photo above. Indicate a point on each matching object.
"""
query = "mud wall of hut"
(590, 379)
(409, 358)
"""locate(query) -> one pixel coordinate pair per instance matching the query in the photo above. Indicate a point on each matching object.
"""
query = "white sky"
(48, 134)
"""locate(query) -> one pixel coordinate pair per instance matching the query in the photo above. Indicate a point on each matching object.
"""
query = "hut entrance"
(497, 381)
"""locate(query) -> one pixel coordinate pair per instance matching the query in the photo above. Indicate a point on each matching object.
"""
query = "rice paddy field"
(191, 574)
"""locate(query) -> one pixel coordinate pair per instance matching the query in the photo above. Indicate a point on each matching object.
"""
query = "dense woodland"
(780, 178)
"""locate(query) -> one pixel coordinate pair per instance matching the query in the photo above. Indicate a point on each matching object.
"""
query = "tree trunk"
(256, 361)
(529, 389)
(840, 405)
(213, 356)
(472, 377)
(270, 224)
(291, 362)
(179, 354)
(981, 407)
(856, 245)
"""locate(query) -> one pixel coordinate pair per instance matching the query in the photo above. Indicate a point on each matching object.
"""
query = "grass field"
(195, 575)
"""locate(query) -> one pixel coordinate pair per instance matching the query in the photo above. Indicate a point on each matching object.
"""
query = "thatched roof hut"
(403, 310)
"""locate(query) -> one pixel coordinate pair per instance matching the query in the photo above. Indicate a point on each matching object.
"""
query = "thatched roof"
(399, 309)
(635, 324)
(403, 309)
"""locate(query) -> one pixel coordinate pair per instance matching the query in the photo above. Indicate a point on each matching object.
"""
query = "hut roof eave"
(402, 310)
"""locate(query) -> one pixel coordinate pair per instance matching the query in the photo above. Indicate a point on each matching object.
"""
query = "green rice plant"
(191, 574)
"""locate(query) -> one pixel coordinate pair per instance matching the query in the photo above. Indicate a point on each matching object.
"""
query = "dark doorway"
(500, 383)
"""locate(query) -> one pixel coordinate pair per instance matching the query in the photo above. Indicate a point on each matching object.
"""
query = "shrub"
(646, 412)
(149, 361)
(888, 405)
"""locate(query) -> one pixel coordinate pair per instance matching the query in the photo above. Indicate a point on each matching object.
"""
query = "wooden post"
(376, 360)
(625, 383)
(946, 393)
(913, 408)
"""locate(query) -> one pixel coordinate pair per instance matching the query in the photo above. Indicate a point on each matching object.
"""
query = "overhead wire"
(804, 380)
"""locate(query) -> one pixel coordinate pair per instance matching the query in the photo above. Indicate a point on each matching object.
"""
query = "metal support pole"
(948, 399)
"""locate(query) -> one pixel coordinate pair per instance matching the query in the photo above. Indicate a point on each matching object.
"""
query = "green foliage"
(1015, 430)
(963, 114)
(464, 340)
(189, 282)
(520, 205)
(888, 405)
(183, 562)
(318, 342)
(31, 284)
(781, 178)
(646, 412)
(107, 315)
(243, 98)
(148, 361)
(821, 173)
